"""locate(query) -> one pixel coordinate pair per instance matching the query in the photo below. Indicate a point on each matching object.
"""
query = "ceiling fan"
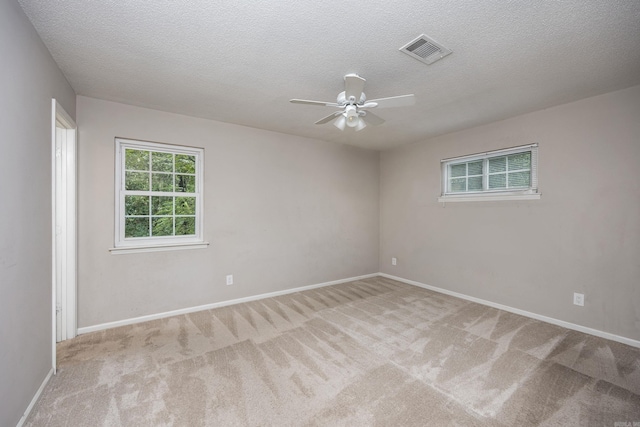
(354, 106)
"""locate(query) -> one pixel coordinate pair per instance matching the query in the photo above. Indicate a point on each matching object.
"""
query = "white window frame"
(528, 193)
(157, 243)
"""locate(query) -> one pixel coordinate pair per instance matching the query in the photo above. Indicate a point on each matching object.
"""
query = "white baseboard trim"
(35, 399)
(134, 320)
(568, 325)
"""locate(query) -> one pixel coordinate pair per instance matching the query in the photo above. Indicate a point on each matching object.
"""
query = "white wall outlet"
(394, 261)
(229, 279)
(578, 299)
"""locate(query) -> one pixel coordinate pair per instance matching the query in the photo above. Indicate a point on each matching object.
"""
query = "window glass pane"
(498, 164)
(162, 162)
(185, 163)
(162, 205)
(185, 226)
(475, 183)
(136, 205)
(458, 170)
(162, 226)
(520, 161)
(458, 185)
(136, 181)
(475, 168)
(185, 205)
(162, 182)
(498, 181)
(136, 160)
(519, 179)
(136, 227)
(186, 183)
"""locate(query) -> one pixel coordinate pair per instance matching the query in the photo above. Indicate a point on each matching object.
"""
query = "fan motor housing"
(342, 100)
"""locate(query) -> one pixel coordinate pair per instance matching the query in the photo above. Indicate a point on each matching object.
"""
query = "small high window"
(158, 194)
(503, 174)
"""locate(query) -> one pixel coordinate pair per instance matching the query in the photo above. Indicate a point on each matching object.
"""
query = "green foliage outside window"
(152, 205)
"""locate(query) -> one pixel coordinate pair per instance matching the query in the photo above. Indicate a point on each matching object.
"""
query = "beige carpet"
(371, 352)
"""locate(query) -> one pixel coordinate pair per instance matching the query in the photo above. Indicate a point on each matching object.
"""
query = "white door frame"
(64, 225)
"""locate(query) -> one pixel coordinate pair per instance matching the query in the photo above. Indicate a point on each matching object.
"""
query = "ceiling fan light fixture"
(351, 114)
(340, 122)
(353, 105)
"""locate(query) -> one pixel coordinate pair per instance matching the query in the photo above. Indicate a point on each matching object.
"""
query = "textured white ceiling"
(241, 61)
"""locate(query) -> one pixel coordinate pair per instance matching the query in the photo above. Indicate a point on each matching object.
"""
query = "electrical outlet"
(229, 279)
(578, 299)
(394, 261)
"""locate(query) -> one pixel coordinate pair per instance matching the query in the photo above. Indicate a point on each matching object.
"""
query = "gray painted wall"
(281, 212)
(582, 236)
(30, 78)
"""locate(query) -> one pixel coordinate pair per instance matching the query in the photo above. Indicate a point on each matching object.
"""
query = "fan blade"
(328, 118)
(319, 103)
(340, 122)
(372, 119)
(353, 86)
(394, 101)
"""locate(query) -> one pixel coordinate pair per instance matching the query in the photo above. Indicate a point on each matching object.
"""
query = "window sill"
(157, 248)
(488, 197)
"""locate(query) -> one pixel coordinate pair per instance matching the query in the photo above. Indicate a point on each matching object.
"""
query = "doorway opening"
(64, 226)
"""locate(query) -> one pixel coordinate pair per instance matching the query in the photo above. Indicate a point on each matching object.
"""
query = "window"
(158, 196)
(497, 175)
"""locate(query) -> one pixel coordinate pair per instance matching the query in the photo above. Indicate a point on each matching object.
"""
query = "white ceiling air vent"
(425, 49)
